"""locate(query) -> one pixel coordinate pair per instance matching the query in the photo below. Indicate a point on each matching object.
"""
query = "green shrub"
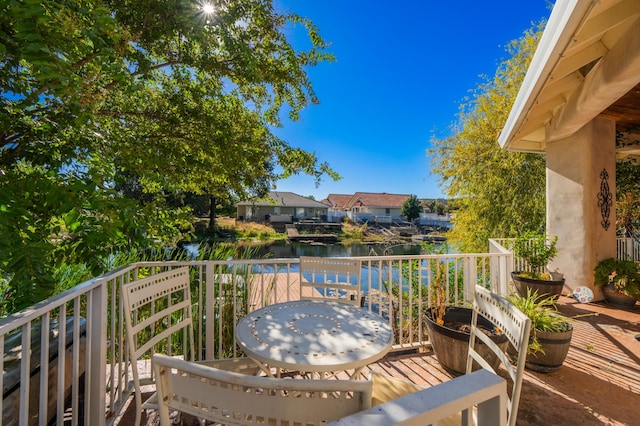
(623, 274)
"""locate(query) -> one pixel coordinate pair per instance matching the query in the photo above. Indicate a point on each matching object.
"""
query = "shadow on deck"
(599, 382)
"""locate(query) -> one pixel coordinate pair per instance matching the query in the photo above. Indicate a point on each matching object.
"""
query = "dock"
(294, 235)
(429, 238)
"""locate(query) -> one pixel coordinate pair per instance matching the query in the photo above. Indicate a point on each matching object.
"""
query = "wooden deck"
(275, 288)
(599, 384)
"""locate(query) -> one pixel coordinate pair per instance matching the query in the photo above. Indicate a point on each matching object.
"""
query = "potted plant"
(550, 333)
(449, 330)
(619, 280)
(536, 251)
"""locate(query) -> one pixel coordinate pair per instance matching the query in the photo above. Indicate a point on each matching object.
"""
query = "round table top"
(313, 335)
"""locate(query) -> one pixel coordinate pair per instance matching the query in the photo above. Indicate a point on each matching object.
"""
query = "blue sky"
(401, 71)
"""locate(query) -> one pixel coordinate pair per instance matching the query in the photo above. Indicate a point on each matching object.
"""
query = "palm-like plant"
(542, 311)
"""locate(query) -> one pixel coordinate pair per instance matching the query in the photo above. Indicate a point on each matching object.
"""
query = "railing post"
(506, 266)
(470, 277)
(97, 357)
(209, 326)
(501, 266)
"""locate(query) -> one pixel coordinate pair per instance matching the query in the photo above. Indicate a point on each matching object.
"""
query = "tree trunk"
(212, 213)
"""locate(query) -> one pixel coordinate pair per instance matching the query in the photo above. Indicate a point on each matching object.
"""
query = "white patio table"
(314, 336)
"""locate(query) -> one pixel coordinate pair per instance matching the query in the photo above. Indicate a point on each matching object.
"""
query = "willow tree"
(497, 193)
(161, 91)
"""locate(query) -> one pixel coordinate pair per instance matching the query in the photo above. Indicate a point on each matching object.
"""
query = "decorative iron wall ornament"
(605, 199)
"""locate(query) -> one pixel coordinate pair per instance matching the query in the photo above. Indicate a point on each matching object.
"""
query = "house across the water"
(372, 207)
(282, 207)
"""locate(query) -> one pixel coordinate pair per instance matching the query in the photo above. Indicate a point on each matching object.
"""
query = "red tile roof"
(337, 201)
(378, 199)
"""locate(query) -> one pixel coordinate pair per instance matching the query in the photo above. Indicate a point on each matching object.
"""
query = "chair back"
(515, 326)
(157, 312)
(231, 398)
(330, 278)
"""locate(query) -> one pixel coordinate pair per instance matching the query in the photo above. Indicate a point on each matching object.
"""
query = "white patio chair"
(330, 278)
(157, 312)
(232, 398)
(513, 323)
(516, 326)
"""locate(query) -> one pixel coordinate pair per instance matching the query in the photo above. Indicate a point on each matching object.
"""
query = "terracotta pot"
(451, 346)
(543, 287)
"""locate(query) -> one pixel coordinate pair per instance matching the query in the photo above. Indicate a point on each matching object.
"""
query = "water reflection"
(288, 249)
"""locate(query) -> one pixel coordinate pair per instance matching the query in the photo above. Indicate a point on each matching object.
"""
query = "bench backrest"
(232, 398)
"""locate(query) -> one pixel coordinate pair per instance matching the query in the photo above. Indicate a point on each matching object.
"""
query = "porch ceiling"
(587, 65)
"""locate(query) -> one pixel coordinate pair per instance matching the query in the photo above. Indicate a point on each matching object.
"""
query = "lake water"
(284, 249)
(287, 249)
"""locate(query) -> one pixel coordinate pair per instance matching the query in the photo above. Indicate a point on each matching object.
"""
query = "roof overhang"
(587, 64)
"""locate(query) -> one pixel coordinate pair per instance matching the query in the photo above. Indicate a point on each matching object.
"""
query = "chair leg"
(163, 414)
(138, 401)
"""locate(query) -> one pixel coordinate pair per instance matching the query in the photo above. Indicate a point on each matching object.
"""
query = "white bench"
(233, 398)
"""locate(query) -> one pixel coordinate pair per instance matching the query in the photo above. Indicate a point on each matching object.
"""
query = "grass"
(241, 230)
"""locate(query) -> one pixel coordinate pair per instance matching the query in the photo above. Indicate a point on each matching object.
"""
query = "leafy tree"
(97, 92)
(411, 208)
(431, 205)
(498, 193)
(440, 207)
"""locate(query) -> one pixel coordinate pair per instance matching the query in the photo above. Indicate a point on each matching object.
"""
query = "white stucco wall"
(574, 167)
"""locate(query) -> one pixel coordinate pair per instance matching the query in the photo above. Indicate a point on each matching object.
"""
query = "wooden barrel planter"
(556, 347)
(618, 298)
(543, 287)
(450, 341)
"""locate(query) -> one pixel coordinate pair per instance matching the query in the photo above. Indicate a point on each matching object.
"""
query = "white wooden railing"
(628, 248)
(396, 287)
